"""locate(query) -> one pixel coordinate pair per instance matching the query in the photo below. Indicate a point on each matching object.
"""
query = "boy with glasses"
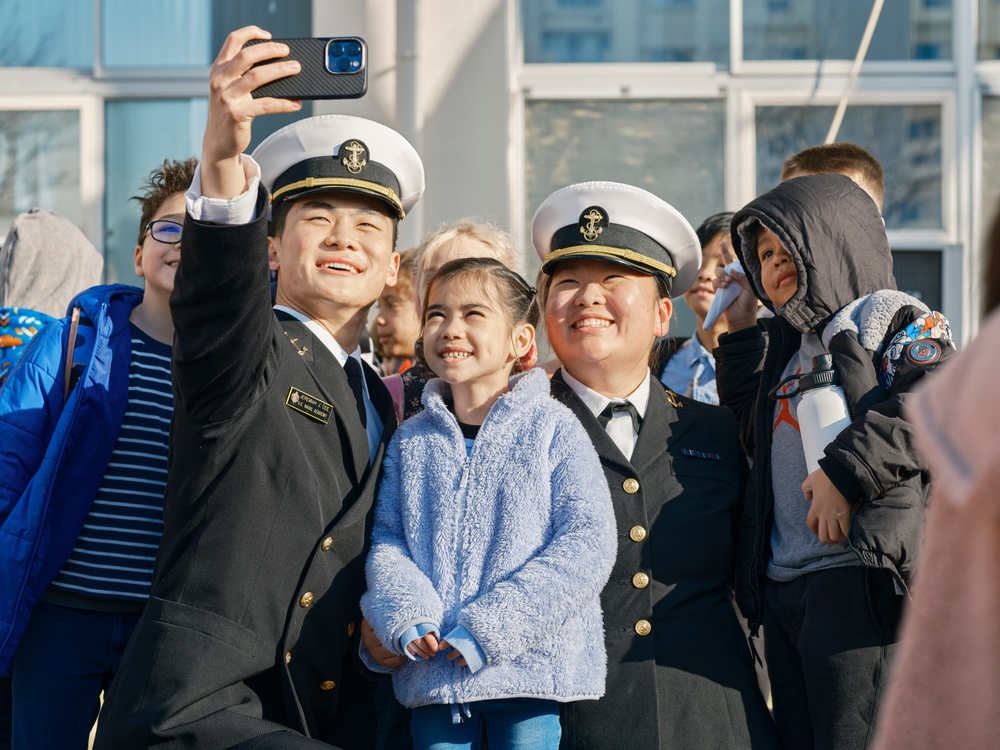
(84, 426)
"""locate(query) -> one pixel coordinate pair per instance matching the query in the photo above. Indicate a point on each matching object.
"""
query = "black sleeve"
(739, 360)
(222, 313)
(878, 450)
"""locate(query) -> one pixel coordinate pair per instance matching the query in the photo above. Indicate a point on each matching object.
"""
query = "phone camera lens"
(345, 64)
(337, 49)
(352, 48)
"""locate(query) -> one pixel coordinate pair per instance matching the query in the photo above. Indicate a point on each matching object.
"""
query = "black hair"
(713, 225)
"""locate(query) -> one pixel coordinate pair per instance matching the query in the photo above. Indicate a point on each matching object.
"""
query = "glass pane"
(905, 139)
(47, 33)
(918, 273)
(139, 135)
(189, 33)
(989, 30)
(824, 30)
(568, 31)
(40, 164)
(673, 149)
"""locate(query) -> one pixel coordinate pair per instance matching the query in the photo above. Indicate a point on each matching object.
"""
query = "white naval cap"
(340, 152)
(618, 223)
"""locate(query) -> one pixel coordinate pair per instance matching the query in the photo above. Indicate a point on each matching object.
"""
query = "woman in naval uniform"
(680, 673)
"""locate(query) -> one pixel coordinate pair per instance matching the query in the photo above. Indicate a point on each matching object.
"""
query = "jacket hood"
(834, 233)
(524, 387)
(114, 295)
(45, 260)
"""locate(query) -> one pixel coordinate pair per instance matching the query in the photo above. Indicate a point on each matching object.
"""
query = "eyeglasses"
(165, 231)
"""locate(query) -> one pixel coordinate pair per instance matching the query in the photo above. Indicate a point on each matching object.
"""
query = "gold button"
(327, 544)
(307, 599)
(643, 627)
(637, 533)
(288, 657)
(640, 581)
(327, 685)
(350, 629)
(631, 486)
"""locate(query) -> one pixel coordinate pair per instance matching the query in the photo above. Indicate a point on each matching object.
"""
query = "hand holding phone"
(332, 68)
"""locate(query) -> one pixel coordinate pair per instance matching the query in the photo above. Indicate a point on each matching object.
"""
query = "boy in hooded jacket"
(825, 558)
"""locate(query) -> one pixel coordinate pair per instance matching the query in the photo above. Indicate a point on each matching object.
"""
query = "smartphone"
(332, 68)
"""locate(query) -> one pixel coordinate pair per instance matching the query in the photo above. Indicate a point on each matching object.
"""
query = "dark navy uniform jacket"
(251, 630)
(680, 673)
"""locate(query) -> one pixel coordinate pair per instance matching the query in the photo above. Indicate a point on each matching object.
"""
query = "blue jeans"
(63, 662)
(510, 724)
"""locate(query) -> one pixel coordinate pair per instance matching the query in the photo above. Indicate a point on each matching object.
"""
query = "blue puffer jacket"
(514, 542)
(53, 458)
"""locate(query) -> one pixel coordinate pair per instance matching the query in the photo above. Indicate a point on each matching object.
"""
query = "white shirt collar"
(596, 402)
(324, 336)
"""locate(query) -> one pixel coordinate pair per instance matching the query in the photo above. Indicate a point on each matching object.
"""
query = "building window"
(627, 31)
(905, 139)
(779, 29)
(40, 163)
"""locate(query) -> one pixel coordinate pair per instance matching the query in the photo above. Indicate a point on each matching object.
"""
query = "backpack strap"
(74, 325)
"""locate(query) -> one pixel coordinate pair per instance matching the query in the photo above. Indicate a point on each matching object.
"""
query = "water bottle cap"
(822, 374)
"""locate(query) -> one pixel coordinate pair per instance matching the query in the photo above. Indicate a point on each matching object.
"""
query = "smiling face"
(699, 297)
(602, 319)
(779, 278)
(156, 261)
(335, 250)
(468, 337)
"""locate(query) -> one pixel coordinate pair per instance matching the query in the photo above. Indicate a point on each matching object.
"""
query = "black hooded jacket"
(882, 342)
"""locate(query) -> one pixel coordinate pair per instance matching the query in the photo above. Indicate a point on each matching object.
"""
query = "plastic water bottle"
(822, 411)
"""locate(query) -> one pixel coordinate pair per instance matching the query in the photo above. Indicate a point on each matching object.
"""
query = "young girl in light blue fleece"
(494, 531)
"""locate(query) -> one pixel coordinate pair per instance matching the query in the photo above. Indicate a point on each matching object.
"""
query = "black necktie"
(611, 409)
(355, 379)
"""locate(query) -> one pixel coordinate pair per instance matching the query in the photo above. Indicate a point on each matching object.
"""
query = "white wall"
(463, 99)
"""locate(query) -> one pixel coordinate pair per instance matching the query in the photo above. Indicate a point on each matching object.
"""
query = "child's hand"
(424, 647)
(455, 654)
(830, 514)
(742, 313)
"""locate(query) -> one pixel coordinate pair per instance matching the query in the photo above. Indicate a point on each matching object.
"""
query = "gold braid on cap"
(343, 182)
(611, 252)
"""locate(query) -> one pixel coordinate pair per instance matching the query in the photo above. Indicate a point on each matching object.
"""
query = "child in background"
(687, 366)
(83, 466)
(397, 324)
(825, 557)
(494, 532)
(848, 159)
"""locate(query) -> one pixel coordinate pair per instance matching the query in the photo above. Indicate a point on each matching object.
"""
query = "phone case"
(315, 81)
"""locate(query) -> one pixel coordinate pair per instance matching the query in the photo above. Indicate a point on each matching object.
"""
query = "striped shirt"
(113, 557)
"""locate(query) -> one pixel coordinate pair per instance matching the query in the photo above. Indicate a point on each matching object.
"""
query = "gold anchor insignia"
(353, 163)
(591, 231)
(672, 399)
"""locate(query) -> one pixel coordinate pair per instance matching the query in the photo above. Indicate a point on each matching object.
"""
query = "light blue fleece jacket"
(514, 542)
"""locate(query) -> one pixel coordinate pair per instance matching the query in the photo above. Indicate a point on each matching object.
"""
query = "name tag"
(311, 406)
(701, 454)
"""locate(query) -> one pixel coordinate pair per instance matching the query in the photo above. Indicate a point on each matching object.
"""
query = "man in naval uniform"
(680, 673)
(250, 635)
